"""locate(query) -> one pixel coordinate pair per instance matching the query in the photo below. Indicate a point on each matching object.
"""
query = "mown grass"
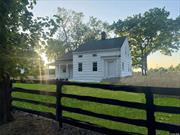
(100, 108)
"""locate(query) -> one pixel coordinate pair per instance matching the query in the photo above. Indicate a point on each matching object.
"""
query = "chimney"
(103, 35)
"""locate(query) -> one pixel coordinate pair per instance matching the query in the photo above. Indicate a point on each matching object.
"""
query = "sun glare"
(44, 58)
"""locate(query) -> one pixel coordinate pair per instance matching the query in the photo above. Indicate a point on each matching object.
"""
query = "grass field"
(159, 79)
(101, 108)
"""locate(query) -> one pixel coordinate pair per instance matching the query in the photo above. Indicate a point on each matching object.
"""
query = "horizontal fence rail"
(40, 92)
(104, 116)
(96, 128)
(34, 102)
(107, 101)
(148, 106)
(52, 81)
(37, 92)
(126, 88)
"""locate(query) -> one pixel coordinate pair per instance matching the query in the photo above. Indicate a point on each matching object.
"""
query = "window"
(94, 66)
(80, 67)
(80, 56)
(122, 66)
(94, 55)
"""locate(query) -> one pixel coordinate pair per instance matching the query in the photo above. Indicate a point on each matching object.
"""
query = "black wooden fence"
(149, 107)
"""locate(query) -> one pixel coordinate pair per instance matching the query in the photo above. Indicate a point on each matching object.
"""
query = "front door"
(70, 67)
(110, 68)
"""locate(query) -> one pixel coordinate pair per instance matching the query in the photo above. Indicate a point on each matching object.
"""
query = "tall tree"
(73, 31)
(54, 49)
(70, 27)
(20, 34)
(150, 32)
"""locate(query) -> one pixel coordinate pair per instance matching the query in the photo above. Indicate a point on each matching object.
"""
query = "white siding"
(87, 59)
(126, 59)
(103, 57)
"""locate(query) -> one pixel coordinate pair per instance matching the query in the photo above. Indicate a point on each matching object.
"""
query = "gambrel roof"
(101, 44)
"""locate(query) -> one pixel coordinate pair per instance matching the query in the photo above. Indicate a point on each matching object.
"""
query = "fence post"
(58, 103)
(150, 112)
(5, 110)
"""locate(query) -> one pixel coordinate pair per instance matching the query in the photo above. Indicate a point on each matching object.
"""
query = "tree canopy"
(170, 69)
(20, 34)
(72, 31)
(149, 32)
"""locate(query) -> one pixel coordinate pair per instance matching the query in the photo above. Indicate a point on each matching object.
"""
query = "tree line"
(23, 36)
(169, 69)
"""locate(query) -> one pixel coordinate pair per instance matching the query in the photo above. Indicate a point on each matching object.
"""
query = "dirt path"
(26, 124)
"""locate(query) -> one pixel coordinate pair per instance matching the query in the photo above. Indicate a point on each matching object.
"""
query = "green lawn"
(100, 108)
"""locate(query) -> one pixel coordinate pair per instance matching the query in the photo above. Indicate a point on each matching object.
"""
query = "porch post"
(67, 71)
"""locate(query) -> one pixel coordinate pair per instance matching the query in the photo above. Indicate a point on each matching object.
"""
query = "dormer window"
(80, 56)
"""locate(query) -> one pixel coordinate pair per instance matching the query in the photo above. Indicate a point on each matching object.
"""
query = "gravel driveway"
(26, 124)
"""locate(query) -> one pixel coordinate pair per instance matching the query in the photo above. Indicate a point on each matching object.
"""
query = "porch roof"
(67, 56)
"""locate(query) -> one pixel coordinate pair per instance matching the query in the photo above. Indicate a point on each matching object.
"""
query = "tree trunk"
(144, 65)
(5, 100)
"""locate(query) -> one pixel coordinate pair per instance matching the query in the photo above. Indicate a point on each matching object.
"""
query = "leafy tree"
(149, 32)
(54, 49)
(72, 32)
(171, 68)
(177, 68)
(20, 34)
(95, 27)
(16, 20)
(70, 27)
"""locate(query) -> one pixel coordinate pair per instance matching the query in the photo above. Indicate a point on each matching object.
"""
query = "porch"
(64, 71)
(64, 66)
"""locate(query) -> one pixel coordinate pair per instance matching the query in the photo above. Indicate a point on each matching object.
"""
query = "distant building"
(96, 60)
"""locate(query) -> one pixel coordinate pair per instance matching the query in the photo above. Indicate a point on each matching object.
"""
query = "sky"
(113, 10)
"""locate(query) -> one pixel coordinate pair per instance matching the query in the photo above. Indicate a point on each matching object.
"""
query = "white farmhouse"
(96, 60)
